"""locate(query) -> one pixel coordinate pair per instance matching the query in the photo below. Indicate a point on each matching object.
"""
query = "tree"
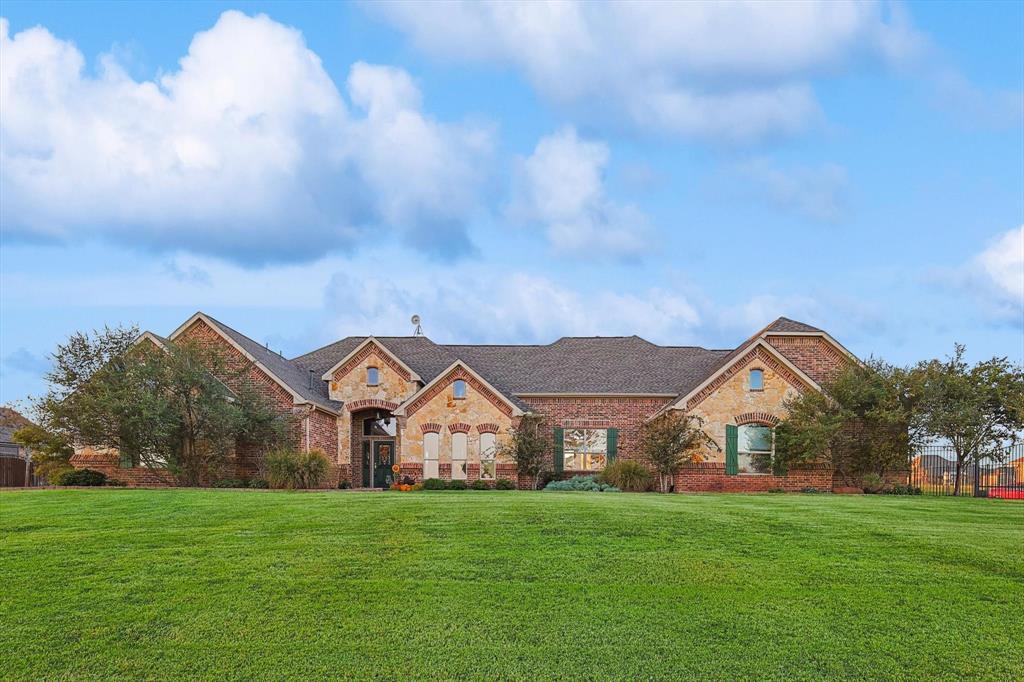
(529, 447)
(862, 424)
(666, 440)
(166, 408)
(978, 409)
(51, 452)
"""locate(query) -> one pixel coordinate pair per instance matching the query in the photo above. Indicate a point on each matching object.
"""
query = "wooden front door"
(383, 460)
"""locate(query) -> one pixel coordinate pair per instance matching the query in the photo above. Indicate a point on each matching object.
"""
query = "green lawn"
(224, 584)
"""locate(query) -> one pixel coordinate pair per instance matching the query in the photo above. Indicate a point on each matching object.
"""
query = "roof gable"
(363, 351)
(434, 387)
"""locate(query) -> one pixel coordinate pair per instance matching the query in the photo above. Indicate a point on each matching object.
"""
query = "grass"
(221, 584)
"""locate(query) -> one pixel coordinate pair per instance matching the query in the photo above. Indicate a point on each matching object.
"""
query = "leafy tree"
(169, 408)
(529, 447)
(51, 452)
(979, 410)
(863, 424)
(668, 440)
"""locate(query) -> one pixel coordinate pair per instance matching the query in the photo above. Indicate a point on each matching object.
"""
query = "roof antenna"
(310, 378)
(416, 321)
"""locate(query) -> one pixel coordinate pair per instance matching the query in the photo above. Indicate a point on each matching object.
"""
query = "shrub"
(480, 484)
(903, 490)
(777, 491)
(434, 484)
(230, 483)
(504, 484)
(344, 484)
(457, 485)
(291, 469)
(87, 477)
(628, 475)
(116, 483)
(582, 484)
(417, 486)
(259, 483)
(811, 490)
(873, 483)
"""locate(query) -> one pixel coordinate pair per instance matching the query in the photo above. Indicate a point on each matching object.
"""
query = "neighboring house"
(15, 459)
(440, 410)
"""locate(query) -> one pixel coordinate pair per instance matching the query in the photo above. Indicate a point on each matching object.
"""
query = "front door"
(367, 466)
(383, 460)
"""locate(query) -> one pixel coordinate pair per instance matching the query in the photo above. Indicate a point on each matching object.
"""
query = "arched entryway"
(375, 439)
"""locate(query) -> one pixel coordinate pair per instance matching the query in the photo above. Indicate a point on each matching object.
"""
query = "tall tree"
(51, 452)
(979, 410)
(529, 447)
(668, 441)
(862, 424)
(168, 408)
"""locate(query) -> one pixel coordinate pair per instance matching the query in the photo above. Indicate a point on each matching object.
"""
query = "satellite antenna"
(416, 321)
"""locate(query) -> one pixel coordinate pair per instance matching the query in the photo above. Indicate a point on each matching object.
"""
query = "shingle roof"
(786, 325)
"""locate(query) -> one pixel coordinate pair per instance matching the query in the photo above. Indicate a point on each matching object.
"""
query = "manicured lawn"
(227, 584)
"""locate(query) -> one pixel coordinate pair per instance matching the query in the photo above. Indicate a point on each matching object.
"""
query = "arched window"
(488, 450)
(757, 380)
(431, 442)
(372, 376)
(459, 389)
(459, 469)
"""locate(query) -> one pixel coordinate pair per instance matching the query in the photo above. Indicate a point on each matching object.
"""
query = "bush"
(628, 475)
(230, 483)
(582, 484)
(480, 484)
(259, 483)
(873, 483)
(903, 490)
(87, 477)
(291, 469)
(504, 484)
(344, 484)
(811, 490)
(116, 483)
(777, 491)
(457, 485)
(434, 484)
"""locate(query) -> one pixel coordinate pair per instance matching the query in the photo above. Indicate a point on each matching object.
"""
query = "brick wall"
(711, 477)
(816, 357)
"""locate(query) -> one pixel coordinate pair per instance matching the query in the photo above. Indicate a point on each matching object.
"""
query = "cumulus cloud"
(1001, 266)
(562, 187)
(726, 70)
(248, 150)
(816, 193)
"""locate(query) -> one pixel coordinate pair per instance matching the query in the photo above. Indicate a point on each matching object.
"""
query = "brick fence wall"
(711, 477)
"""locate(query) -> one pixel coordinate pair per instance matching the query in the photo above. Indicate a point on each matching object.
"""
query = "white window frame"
(488, 450)
(586, 453)
(431, 448)
(460, 448)
(748, 453)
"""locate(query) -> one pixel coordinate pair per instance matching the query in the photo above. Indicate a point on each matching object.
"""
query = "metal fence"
(933, 469)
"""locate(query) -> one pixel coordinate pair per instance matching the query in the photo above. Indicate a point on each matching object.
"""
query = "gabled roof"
(517, 408)
(786, 325)
(292, 377)
(328, 373)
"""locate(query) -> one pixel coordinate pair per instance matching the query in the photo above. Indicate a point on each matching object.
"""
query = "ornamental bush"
(480, 484)
(588, 483)
(903, 490)
(259, 483)
(434, 484)
(628, 475)
(87, 477)
(457, 485)
(230, 483)
(504, 484)
(291, 469)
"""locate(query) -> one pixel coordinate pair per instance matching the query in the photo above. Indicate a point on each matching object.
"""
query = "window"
(458, 457)
(757, 380)
(488, 466)
(372, 376)
(381, 425)
(430, 448)
(585, 449)
(459, 389)
(755, 449)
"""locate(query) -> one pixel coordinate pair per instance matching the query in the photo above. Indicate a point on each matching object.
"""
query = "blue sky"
(305, 171)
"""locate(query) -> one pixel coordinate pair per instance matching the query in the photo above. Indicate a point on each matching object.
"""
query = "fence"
(16, 472)
(933, 469)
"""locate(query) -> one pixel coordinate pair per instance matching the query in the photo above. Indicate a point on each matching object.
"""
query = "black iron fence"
(933, 469)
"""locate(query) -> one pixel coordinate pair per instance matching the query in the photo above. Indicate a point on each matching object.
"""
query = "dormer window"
(459, 389)
(757, 380)
(372, 376)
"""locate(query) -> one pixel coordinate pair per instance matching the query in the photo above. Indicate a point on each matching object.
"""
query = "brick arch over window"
(487, 428)
(376, 403)
(763, 418)
(459, 427)
(431, 427)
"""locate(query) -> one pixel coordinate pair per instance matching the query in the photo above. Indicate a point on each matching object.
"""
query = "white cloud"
(562, 186)
(728, 70)
(248, 150)
(816, 193)
(1002, 267)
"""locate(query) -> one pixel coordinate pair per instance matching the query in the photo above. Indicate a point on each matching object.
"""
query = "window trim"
(376, 371)
(750, 377)
(455, 391)
(491, 454)
(567, 451)
(464, 460)
(771, 452)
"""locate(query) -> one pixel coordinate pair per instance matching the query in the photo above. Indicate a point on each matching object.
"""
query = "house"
(440, 410)
(16, 469)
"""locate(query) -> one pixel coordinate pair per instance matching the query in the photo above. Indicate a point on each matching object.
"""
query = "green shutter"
(559, 449)
(613, 444)
(732, 439)
(126, 460)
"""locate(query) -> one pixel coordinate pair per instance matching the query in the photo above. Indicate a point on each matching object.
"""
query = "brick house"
(439, 410)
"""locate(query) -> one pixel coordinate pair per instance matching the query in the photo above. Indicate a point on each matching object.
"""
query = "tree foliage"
(51, 452)
(669, 440)
(863, 424)
(529, 447)
(165, 408)
(979, 410)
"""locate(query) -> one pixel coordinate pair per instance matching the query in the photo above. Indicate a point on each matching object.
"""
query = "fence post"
(977, 477)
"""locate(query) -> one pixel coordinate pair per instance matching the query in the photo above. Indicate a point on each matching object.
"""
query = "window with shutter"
(731, 450)
(559, 449)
